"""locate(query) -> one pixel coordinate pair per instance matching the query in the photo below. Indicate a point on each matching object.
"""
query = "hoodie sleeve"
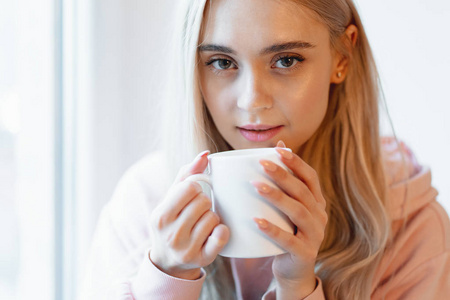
(118, 266)
(317, 294)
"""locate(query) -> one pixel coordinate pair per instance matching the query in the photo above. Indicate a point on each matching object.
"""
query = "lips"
(259, 132)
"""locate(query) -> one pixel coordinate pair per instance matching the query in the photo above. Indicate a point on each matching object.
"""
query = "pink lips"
(259, 132)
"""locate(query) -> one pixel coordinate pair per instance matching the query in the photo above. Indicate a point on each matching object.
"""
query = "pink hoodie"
(417, 266)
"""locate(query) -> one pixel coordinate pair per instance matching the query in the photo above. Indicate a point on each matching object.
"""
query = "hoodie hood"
(409, 183)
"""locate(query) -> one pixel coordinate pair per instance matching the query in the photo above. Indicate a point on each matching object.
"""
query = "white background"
(411, 42)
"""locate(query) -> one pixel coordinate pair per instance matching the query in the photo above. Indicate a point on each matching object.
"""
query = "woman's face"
(265, 71)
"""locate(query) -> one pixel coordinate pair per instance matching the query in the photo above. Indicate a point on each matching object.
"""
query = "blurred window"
(27, 148)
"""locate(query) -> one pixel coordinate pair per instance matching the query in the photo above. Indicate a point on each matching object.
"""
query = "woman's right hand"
(186, 233)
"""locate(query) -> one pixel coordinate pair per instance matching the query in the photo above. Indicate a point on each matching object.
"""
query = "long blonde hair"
(345, 152)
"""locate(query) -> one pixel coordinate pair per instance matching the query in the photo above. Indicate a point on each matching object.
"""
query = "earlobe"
(337, 77)
(340, 70)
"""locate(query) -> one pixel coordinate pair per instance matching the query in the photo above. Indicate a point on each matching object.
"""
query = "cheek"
(217, 95)
(213, 102)
(317, 96)
(307, 103)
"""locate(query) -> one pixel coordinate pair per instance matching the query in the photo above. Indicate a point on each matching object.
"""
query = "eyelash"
(298, 58)
(218, 71)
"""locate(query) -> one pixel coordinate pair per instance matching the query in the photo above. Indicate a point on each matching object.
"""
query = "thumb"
(197, 166)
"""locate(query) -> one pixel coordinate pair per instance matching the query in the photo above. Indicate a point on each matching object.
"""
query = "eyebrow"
(268, 50)
(215, 48)
(286, 46)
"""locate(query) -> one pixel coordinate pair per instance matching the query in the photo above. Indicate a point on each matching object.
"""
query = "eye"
(221, 64)
(288, 61)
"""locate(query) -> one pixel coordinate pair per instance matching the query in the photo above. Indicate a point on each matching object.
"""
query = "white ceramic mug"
(237, 202)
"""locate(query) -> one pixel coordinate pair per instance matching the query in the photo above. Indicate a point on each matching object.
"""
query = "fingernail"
(261, 187)
(201, 155)
(204, 153)
(268, 165)
(285, 153)
(281, 144)
(262, 224)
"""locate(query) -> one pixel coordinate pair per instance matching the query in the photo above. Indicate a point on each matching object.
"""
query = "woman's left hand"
(299, 197)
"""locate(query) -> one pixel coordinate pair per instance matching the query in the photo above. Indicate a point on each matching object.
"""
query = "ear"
(340, 65)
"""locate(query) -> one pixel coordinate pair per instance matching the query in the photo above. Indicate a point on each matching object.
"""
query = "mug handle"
(206, 179)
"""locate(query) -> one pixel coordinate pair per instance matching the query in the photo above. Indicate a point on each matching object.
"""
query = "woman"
(285, 73)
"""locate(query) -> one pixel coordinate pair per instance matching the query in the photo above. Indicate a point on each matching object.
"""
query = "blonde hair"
(345, 152)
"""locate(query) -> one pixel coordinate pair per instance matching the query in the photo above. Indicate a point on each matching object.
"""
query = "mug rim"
(242, 152)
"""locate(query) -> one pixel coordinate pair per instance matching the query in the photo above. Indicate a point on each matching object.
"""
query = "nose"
(254, 94)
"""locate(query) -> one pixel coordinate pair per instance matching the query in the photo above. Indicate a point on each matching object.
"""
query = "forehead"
(259, 22)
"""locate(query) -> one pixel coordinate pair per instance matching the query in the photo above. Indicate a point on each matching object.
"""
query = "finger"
(304, 172)
(198, 165)
(295, 210)
(290, 184)
(216, 241)
(193, 212)
(179, 196)
(289, 242)
(310, 223)
(204, 228)
(284, 239)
